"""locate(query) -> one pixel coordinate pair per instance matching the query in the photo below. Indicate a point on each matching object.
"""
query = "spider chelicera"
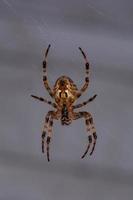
(65, 93)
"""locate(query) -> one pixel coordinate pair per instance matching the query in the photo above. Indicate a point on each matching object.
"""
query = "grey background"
(104, 29)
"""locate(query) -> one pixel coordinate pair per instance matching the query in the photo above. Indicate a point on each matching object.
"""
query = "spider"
(65, 93)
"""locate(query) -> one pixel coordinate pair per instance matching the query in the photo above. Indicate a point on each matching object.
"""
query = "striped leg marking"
(50, 124)
(92, 137)
(87, 66)
(47, 133)
(45, 80)
(85, 102)
(44, 100)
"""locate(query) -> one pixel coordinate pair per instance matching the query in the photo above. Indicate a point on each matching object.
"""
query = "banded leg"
(92, 137)
(45, 80)
(44, 100)
(85, 102)
(45, 129)
(43, 139)
(47, 132)
(50, 124)
(87, 65)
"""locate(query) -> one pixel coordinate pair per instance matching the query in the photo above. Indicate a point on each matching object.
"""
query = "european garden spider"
(65, 93)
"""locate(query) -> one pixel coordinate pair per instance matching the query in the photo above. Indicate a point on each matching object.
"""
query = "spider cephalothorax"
(65, 93)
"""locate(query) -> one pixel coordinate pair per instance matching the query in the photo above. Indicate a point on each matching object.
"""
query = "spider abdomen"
(65, 119)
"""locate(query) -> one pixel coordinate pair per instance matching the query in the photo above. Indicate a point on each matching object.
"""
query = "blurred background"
(104, 29)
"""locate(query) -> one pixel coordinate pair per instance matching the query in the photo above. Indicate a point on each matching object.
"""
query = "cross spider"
(65, 93)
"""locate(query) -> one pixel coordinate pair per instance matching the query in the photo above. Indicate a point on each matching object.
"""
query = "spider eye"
(62, 82)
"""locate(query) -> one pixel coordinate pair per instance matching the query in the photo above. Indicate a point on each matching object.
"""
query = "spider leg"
(47, 132)
(49, 136)
(45, 80)
(43, 140)
(44, 131)
(92, 137)
(44, 100)
(87, 65)
(85, 102)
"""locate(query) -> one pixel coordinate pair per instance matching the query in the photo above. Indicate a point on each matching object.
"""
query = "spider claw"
(93, 148)
(86, 151)
(82, 53)
(47, 50)
(48, 159)
(33, 96)
(48, 156)
(95, 96)
(83, 155)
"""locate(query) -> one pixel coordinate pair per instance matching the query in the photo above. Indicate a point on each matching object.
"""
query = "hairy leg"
(45, 80)
(90, 130)
(49, 135)
(85, 102)
(47, 131)
(44, 100)
(87, 66)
